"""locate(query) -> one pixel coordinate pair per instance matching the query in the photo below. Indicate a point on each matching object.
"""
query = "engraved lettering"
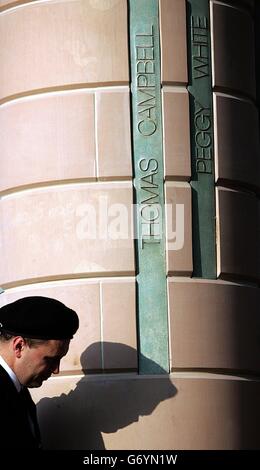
(146, 109)
(149, 179)
(150, 161)
(142, 81)
(145, 53)
(145, 83)
(200, 46)
(148, 105)
(148, 214)
(199, 29)
(201, 67)
(203, 138)
(202, 122)
(150, 210)
(145, 66)
(203, 153)
(203, 166)
(154, 195)
(147, 127)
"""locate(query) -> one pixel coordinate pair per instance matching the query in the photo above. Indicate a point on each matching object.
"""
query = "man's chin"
(35, 384)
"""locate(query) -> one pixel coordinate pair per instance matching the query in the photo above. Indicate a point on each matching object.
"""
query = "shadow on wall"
(101, 403)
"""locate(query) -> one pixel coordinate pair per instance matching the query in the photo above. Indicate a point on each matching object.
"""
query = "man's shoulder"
(3, 375)
(6, 385)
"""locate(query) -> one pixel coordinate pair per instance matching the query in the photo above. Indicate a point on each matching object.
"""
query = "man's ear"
(18, 345)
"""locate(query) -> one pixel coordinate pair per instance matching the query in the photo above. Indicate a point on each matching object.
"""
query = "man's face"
(39, 362)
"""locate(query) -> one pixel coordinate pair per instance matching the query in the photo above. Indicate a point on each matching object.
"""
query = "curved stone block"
(236, 141)
(214, 325)
(112, 110)
(63, 231)
(233, 50)
(238, 247)
(179, 228)
(63, 136)
(47, 138)
(64, 43)
(176, 131)
(173, 41)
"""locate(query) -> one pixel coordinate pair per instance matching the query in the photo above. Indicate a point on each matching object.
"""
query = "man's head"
(35, 333)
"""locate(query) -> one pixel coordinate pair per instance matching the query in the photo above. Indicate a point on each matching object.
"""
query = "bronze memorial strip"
(202, 145)
(148, 185)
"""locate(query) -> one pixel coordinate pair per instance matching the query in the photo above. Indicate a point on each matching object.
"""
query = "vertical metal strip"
(148, 184)
(202, 150)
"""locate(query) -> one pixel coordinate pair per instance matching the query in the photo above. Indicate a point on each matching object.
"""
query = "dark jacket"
(18, 417)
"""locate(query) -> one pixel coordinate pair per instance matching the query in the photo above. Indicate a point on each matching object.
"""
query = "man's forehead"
(56, 347)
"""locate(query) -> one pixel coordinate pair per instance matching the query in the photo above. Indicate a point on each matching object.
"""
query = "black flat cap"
(38, 318)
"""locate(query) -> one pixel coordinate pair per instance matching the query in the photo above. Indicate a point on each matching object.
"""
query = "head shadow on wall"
(101, 402)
